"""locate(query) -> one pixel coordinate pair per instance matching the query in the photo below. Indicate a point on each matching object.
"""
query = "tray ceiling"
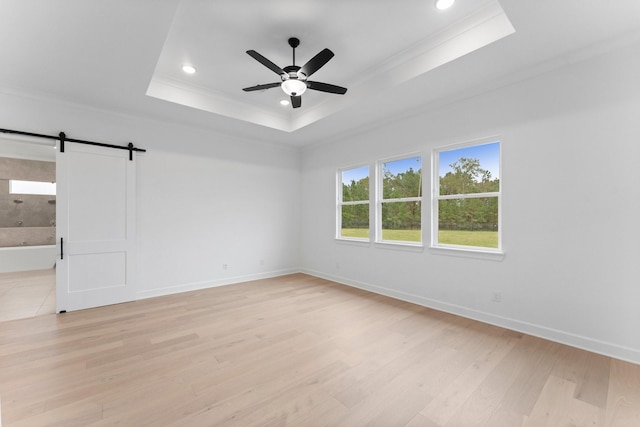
(376, 48)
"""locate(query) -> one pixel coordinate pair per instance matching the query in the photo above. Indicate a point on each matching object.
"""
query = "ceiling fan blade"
(326, 87)
(261, 87)
(264, 61)
(316, 62)
(296, 101)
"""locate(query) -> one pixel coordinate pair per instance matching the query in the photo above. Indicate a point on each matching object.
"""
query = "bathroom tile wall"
(26, 220)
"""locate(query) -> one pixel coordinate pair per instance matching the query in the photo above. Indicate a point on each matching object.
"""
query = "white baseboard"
(169, 290)
(562, 337)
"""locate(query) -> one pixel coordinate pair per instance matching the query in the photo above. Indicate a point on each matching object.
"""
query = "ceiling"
(396, 58)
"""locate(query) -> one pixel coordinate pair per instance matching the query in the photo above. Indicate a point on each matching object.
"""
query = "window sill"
(467, 252)
(403, 246)
(356, 242)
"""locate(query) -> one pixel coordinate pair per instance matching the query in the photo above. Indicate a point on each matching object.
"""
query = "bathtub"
(23, 258)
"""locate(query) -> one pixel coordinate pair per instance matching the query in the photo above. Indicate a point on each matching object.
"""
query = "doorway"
(96, 212)
(27, 228)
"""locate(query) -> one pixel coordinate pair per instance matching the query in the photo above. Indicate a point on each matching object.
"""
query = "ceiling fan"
(294, 78)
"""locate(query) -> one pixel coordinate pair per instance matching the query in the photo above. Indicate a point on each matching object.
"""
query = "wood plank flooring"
(298, 351)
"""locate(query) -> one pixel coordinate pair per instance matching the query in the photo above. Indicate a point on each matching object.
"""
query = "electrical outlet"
(225, 266)
(261, 262)
(497, 297)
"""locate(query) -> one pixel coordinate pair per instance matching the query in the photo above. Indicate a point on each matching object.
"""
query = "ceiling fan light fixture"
(444, 4)
(294, 87)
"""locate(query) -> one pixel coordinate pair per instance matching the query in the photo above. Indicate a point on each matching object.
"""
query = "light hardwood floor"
(298, 351)
(27, 294)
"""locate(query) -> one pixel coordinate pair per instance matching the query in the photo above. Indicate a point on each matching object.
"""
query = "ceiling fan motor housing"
(293, 73)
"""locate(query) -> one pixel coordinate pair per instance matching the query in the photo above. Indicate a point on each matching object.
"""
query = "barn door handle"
(61, 248)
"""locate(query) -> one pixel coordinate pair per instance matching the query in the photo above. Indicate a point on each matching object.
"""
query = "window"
(399, 210)
(353, 203)
(466, 206)
(32, 187)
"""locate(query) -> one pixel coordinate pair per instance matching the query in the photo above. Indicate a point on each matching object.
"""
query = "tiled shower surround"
(26, 220)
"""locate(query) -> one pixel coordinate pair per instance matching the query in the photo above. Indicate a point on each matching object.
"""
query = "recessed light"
(444, 4)
(284, 102)
(189, 69)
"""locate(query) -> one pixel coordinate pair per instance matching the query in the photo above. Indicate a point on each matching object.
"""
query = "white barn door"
(95, 212)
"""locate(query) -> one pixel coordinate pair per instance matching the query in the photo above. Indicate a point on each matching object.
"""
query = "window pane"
(355, 184)
(468, 222)
(32, 187)
(355, 221)
(401, 221)
(402, 178)
(470, 170)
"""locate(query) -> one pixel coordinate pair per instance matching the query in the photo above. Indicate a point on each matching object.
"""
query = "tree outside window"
(400, 202)
(467, 202)
(353, 203)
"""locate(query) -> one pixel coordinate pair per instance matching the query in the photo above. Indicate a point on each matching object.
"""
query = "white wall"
(237, 205)
(203, 199)
(571, 208)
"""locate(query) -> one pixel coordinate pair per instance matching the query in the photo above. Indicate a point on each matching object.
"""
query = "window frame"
(340, 203)
(436, 198)
(379, 200)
